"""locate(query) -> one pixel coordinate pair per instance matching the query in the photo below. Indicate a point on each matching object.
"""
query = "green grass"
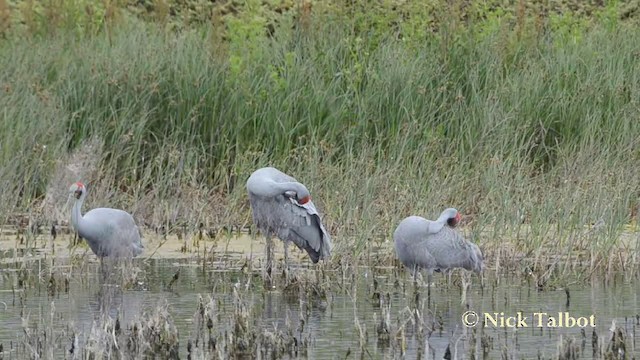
(507, 125)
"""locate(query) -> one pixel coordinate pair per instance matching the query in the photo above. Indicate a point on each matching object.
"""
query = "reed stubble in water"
(236, 316)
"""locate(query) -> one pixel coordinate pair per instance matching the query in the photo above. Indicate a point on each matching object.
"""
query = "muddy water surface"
(62, 294)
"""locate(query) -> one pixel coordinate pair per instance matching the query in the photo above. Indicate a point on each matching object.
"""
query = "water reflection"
(350, 320)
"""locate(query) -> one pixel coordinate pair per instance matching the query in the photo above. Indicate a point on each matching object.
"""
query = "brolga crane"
(435, 245)
(282, 207)
(109, 232)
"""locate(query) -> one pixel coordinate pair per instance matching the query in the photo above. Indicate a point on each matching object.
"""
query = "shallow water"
(334, 326)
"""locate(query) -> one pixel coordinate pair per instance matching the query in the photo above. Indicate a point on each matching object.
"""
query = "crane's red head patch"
(78, 189)
(304, 200)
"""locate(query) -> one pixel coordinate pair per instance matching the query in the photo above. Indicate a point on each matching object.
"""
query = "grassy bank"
(530, 130)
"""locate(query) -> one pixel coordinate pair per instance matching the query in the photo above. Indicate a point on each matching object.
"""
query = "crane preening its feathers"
(435, 245)
(282, 207)
(109, 232)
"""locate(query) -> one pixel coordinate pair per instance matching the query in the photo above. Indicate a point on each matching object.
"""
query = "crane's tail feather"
(314, 255)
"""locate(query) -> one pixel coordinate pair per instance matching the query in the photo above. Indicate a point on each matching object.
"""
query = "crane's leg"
(269, 253)
(286, 260)
(416, 293)
(429, 279)
(103, 270)
(466, 281)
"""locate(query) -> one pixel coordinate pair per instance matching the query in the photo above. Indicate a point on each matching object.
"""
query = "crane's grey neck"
(436, 226)
(292, 185)
(280, 188)
(447, 214)
(443, 218)
(76, 213)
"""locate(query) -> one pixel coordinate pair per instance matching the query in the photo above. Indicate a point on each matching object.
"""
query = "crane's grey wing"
(451, 250)
(290, 221)
(479, 257)
(410, 243)
(114, 233)
(322, 243)
(417, 254)
(136, 242)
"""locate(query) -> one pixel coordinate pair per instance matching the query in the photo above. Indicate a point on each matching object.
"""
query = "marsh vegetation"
(524, 116)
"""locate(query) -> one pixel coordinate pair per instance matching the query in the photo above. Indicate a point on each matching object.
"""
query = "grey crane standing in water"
(282, 207)
(109, 232)
(435, 245)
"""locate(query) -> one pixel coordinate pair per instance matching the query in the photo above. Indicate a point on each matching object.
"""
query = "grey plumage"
(435, 245)
(281, 207)
(109, 232)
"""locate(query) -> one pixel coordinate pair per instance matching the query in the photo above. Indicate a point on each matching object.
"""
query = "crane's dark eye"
(452, 222)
